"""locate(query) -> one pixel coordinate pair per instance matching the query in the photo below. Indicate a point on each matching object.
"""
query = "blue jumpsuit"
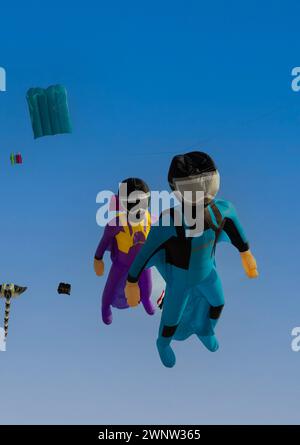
(193, 297)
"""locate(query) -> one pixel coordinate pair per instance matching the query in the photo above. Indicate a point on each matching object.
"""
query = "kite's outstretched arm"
(235, 232)
(110, 232)
(158, 235)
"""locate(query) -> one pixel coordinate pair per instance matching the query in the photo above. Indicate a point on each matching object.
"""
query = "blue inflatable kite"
(49, 111)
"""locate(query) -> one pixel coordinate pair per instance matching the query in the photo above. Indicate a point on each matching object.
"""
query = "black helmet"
(190, 164)
(191, 173)
(134, 186)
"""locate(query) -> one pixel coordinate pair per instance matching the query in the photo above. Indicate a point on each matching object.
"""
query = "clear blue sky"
(148, 80)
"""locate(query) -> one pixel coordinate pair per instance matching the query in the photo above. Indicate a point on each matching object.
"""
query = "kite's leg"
(106, 303)
(212, 290)
(145, 284)
(176, 297)
(112, 286)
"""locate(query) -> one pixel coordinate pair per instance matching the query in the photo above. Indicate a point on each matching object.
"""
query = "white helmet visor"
(197, 189)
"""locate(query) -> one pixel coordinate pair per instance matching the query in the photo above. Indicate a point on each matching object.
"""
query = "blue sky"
(146, 82)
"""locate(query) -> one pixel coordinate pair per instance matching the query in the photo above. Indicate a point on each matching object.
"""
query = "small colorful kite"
(16, 159)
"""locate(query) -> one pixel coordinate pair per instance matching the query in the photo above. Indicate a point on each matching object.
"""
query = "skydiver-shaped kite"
(124, 240)
(194, 298)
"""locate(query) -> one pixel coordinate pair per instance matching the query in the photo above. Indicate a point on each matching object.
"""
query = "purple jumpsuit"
(124, 243)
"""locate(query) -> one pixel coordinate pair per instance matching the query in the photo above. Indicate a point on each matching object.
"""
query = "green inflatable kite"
(49, 111)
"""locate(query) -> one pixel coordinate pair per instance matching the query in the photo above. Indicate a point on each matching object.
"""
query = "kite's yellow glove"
(132, 293)
(99, 267)
(249, 264)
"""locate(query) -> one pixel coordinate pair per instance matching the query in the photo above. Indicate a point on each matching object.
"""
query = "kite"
(9, 291)
(16, 159)
(64, 288)
(185, 256)
(49, 110)
(124, 240)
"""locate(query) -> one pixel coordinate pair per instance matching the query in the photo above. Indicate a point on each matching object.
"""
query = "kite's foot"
(107, 315)
(148, 306)
(210, 342)
(166, 353)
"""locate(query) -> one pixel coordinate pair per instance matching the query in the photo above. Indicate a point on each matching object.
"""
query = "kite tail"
(6, 316)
